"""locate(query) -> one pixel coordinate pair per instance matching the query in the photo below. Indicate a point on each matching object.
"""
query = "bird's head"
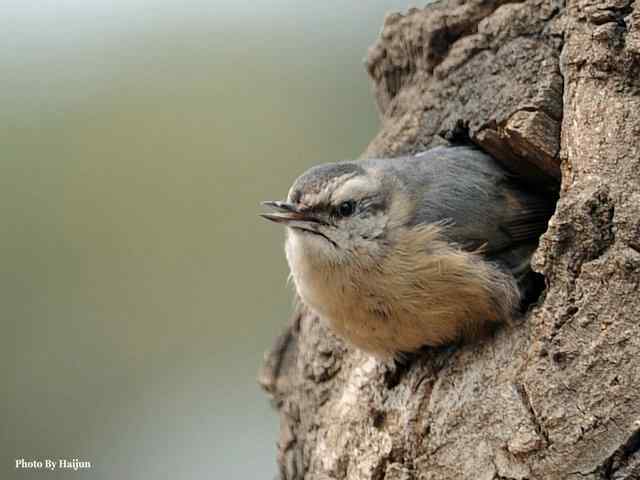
(341, 212)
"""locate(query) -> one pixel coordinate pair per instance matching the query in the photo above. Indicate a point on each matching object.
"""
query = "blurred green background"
(139, 288)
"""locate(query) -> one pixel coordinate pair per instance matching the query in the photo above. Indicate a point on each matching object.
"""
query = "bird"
(397, 254)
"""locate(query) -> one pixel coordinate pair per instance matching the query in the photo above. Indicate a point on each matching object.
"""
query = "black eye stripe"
(346, 209)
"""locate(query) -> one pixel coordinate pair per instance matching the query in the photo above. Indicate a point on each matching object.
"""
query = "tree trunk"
(552, 90)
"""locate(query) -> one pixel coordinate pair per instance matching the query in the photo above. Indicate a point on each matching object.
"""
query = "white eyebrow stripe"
(338, 183)
(355, 189)
(325, 194)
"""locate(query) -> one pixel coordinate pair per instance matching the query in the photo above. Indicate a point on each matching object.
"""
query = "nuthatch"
(396, 254)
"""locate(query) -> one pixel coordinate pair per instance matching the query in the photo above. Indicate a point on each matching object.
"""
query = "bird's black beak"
(300, 220)
(287, 213)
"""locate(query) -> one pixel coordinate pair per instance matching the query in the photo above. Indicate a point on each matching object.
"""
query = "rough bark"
(552, 90)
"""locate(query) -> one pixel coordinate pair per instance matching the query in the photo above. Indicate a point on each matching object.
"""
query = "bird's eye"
(347, 208)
